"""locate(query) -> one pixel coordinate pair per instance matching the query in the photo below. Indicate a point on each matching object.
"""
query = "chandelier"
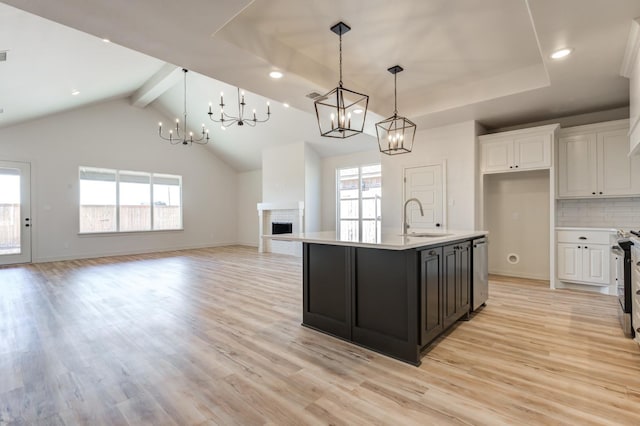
(181, 136)
(396, 133)
(227, 120)
(341, 112)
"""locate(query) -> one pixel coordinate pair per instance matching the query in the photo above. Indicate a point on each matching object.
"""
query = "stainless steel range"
(622, 253)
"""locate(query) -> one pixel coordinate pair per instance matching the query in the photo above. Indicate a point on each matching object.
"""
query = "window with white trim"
(126, 201)
(359, 201)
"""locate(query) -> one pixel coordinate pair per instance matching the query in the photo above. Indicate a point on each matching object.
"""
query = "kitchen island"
(395, 294)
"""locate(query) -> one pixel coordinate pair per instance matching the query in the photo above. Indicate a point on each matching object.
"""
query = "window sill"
(113, 233)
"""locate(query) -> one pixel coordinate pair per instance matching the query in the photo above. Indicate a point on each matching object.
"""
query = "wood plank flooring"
(213, 336)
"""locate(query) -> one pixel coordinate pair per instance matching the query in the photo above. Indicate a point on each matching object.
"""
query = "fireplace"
(281, 218)
(281, 227)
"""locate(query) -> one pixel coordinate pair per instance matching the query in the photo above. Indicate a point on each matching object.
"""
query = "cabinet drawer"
(585, 236)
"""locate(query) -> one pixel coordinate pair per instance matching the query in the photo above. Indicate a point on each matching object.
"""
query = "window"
(359, 202)
(125, 201)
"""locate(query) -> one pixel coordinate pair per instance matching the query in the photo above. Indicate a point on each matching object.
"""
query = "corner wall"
(249, 195)
(116, 135)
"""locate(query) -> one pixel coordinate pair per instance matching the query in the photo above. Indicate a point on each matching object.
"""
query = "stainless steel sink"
(426, 234)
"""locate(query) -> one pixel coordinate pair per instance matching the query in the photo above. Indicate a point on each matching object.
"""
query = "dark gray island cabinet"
(394, 301)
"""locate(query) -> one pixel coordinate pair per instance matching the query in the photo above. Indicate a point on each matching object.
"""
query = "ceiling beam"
(159, 83)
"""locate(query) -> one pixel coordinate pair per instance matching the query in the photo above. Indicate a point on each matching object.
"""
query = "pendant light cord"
(395, 94)
(340, 58)
(185, 101)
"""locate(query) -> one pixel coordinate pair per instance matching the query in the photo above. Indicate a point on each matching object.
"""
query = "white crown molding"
(631, 52)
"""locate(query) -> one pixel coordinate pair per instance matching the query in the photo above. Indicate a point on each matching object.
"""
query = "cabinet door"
(431, 295)
(595, 263)
(449, 276)
(497, 156)
(577, 166)
(614, 164)
(569, 262)
(532, 152)
(463, 296)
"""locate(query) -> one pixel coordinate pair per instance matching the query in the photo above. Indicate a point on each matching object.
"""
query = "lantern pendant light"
(396, 133)
(341, 112)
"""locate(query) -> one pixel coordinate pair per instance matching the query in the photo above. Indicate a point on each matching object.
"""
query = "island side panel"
(386, 303)
(327, 288)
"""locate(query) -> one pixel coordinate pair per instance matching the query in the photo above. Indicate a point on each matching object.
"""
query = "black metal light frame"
(396, 133)
(341, 113)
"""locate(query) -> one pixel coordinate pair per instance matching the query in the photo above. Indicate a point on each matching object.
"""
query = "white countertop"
(584, 228)
(390, 240)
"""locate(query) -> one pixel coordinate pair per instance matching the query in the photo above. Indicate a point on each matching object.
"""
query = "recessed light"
(106, 40)
(223, 128)
(562, 53)
(286, 105)
(275, 74)
(75, 92)
(357, 111)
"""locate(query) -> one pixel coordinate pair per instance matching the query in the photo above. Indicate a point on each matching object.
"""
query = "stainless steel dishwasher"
(480, 273)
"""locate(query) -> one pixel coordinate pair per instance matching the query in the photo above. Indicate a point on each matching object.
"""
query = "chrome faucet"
(405, 225)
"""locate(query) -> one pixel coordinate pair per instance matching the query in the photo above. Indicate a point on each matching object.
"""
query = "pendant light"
(341, 112)
(396, 133)
(227, 120)
(181, 136)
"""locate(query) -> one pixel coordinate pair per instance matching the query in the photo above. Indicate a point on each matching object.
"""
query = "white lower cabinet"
(588, 264)
(584, 257)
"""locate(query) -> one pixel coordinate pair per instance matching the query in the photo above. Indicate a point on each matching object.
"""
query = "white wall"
(313, 190)
(329, 166)
(455, 144)
(517, 218)
(249, 194)
(116, 135)
(283, 173)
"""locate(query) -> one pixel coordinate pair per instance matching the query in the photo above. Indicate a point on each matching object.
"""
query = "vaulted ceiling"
(464, 59)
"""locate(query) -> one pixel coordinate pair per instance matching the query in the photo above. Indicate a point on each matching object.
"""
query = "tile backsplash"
(599, 213)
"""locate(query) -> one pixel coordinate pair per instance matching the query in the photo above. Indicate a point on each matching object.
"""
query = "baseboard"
(518, 275)
(127, 252)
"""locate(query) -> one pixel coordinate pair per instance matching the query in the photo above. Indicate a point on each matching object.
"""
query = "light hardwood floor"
(213, 336)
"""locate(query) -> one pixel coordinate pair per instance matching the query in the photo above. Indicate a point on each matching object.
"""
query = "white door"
(569, 262)
(532, 152)
(425, 184)
(497, 156)
(595, 264)
(577, 166)
(614, 171)
(15, 216)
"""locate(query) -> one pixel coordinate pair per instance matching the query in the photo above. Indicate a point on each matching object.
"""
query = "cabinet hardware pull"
(600, 192)
(579, 247)
(582, 238)
(593, 193)
(432, 253)
(511, 167)
(637, 263)
(516, 167)
(586, 247)
(638, 293)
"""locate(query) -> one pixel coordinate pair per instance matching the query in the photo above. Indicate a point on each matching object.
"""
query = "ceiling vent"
(316, 96)
(3, 56)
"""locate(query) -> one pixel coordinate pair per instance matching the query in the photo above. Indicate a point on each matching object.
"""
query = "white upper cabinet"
(517, 150)
(593, 161)
(631, 70)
